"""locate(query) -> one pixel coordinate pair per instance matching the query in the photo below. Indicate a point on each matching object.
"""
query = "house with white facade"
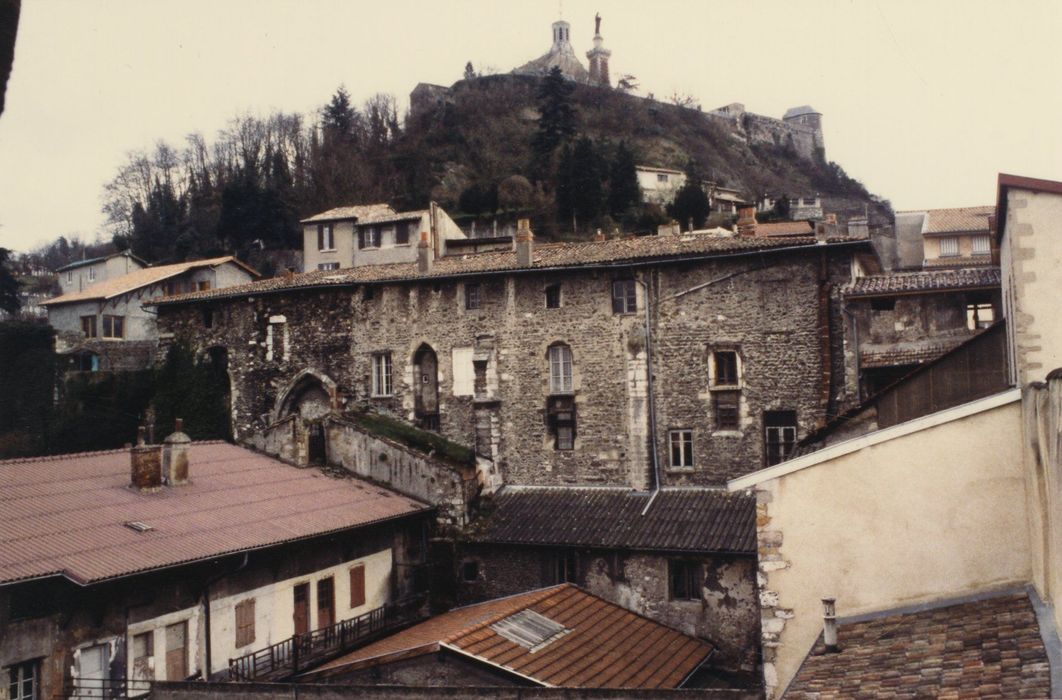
(660, 185)
(81, 274)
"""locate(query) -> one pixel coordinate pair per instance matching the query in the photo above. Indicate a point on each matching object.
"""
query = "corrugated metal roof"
(680, 519)
(546, 256)
(925, 281)
(66, 514)
(604, 645)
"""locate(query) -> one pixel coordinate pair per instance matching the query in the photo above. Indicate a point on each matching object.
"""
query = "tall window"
(726, 368)
(624, 297)
(681, 449)
(22, 683)
(245, 622)
(553, 296)
(325, 237)
(92, 274)
(685, 580)
(981, 245)
(88, 326)
(949, 246)
(472, 295)
(113, 326)
(369, 237)
(562, 567)
(402, 233)
(381, 374)
(560, 411)
(779, 435)
(357, 586)
(560, 369)
(726, 409)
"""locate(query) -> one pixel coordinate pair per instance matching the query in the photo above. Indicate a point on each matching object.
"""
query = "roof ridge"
(90, 453)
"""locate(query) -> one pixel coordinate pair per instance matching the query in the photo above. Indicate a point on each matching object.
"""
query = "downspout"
(206, 611)
(651, 401)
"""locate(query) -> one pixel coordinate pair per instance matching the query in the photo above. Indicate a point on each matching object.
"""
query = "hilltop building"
(561, 55)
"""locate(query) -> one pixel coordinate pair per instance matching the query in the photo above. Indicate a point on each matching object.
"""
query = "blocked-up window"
(779, 435)
(357, 586)
(981, 245)
(113, 326)
(381, 374)
(624, 296)
(726, 405)
(949, 246)
(681, 447)
(684, 580)
(560, 369)
(143, 650)
(177, 651)
(245, 622)
(88, 326)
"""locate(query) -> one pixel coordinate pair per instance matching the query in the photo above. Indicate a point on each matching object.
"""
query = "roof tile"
(924, 281)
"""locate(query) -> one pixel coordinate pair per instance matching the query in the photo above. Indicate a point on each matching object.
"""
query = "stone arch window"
(560, 369)
(426, 387)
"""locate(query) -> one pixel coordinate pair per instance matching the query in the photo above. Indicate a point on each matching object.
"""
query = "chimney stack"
(746, 223)
(671, 229)
(424, 254)
(175, 455)
(829, 625)
(145, 463)
(525, 243)
(599, 236)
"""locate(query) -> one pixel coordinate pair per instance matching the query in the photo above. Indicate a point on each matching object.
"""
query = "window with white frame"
(779, 435)
(92, 274)
(681, 442)
(325, 237)
(949, 246)
(981, 245)
(369, 237)
(381, 374)
(560, 369)
(23, 681)
(328, 266)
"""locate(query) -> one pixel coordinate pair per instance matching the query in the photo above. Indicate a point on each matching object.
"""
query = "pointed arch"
(300, 387)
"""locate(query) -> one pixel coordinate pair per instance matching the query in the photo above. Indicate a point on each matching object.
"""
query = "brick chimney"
(525, 243)
(145, 463)
(746, 223)
(424, 254)
(175, 455)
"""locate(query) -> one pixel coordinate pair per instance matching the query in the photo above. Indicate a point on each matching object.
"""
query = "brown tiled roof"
(93, 261)
(785, 228)
(359, 212)
(389, 218)
(615, 251)
(960, 219)
(145, 277)
(907, 356)
(924, 281)
(606, 646)
(988, 648)
(680, 519)
(65, 515)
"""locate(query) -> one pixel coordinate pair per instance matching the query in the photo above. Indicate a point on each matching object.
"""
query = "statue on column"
(597, 24)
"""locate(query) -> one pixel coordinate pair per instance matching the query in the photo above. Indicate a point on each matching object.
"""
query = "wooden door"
(301, 615)
(326, 603)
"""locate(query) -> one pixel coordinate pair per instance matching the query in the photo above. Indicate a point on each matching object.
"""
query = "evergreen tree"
(339, 120)
(691, 202)
(565, 191)
(587, 173)
(9, 299)
(623, 193)
(556, 122)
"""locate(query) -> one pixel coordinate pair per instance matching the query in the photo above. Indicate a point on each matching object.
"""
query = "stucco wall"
(343, 253)
(934, 513)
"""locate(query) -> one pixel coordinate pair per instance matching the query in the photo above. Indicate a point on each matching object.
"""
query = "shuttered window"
(177, 651)
(245, 622)
(357, 586)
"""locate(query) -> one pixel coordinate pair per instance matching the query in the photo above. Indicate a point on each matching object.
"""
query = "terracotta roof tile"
(359, 212)
(924, 281)
(680, 519)
(605, 645)
(785, 228)
(65, 515)
(145, 277)
(616, 251)
(961, 219)
(969, 650)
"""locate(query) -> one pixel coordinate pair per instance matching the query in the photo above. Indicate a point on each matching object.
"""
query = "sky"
(924, 101)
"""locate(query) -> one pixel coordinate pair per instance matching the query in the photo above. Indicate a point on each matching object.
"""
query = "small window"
(369, 237)
(661, 177)
(245, 622)
(479, 382)
(367, 292)
(173, 287)
(949, 246)
(381, 374)
(88, 326)
(681, 442)
(402, 233)
(726, 409)
(779, 435)
(202, 286)
(979, 313)
(560, 369)
(624, 297)
(92, 274)
(562, 567)
(472, 295)
(113, 326)
(561, 415)
(726, 368)
(685, 580)
(328, 266)
(69, 276)
(23, 681)
(809, 201)
(470, 571)
(325, 237)
(357, 586)
(553, 296)
(883, 304)
(981, 245)
(208, 318)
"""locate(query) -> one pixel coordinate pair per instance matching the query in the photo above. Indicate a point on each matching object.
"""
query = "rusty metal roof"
(987, 648)
(66, 515)
(602, 645)
(925, 281)
(680, 519)
(547, 256)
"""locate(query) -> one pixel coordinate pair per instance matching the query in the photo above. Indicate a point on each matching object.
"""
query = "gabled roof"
(359, 212)
(93, 261)
(614, 252)
(680, 519)
(602, 645)
(893, 283)
(976, 649)
(958, 220)
(145, 277)
(66, 515)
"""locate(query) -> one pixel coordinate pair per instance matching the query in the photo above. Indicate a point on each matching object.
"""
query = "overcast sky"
(924, 101)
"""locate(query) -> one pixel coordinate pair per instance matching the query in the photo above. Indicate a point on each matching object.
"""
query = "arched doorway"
(308, 400)
(426, 388)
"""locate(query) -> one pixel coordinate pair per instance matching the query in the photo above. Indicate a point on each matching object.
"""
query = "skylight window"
(530, 629)
(138, 526)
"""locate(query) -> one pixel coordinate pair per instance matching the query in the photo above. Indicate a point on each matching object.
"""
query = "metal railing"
(105, 688)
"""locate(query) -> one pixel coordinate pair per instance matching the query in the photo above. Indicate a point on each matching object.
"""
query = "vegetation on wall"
(196, 391)
(27, 382)
(420, 440)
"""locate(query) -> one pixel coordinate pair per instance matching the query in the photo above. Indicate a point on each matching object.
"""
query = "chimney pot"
(175, 455)
(829, 625)
(525, 243)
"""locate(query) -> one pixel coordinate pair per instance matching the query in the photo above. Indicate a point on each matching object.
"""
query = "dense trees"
(691, 202)
(9, 300)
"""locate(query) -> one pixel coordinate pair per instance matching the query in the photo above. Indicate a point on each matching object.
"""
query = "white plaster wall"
(930, 515)
(660, 192)
(275, 606)
(157, 626)
(343, 235)
(389, 251)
